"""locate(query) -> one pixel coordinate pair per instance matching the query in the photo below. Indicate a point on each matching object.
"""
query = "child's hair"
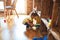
(34, 14)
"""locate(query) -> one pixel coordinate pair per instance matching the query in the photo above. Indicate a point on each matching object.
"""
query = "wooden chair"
(9, 7)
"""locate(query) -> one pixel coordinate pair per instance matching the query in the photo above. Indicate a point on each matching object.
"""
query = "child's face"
(35, 18)
(32, 16)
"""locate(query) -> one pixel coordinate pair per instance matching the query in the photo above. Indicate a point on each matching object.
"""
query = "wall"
(30, 5)
(47, 6)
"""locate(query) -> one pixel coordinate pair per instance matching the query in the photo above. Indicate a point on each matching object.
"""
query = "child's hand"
(32, 25)
(34, 28)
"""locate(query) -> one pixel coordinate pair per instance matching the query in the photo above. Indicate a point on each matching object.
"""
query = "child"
(29, 21)
(30, 25)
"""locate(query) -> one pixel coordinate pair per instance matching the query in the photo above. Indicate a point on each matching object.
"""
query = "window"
(1, 6)
(21, 6)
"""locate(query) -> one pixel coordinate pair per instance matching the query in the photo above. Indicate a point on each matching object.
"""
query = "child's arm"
(30, 23)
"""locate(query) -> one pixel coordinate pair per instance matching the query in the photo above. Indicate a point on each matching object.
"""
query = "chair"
(9, 7)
